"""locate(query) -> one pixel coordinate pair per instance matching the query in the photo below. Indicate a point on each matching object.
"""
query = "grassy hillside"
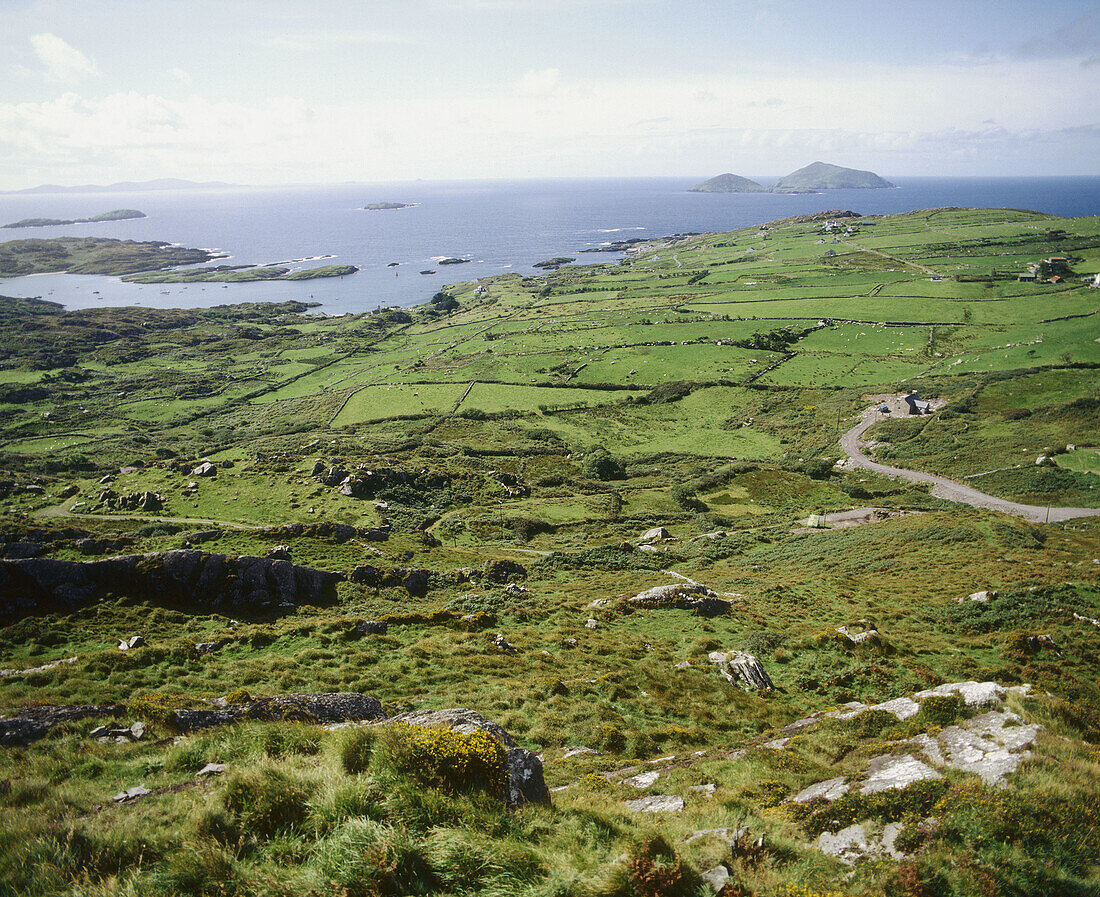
(548, 422)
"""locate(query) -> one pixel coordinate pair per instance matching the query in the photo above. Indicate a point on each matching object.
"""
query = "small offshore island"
(813, 178)
(139, 262)
(388, 206)
(114, 215)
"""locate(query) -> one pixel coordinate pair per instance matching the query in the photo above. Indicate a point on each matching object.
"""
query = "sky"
(329, 91)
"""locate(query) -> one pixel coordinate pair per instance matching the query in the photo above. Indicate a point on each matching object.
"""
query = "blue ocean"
(499, 226)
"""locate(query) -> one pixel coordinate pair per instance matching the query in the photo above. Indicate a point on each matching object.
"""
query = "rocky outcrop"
(336, 707)
(684, 596)
(196, 578)
(742, 669)
(31, 724)
(526, 783)
(415, 582)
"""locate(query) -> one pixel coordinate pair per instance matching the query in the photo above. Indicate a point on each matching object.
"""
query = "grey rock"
(327, 708)
(207, 647)
(742, 669)
(134, 641)
(829, 790)
(526, 783)
(578, 750)
(706, 790)
(847, 845)
(591, 624)
(212, 769)
(683, 596)
(205, 469)
(458, 719)
(371, 627)
(98, 732)
(279, 553)
(137, 730)
(657, 534)
(973, 694)
(895, 771)
(131, 794)
(716, 878)
(656, 803)
(643, 779)
(991, 745)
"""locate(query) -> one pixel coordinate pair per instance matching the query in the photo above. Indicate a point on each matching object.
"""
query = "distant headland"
(116, 215)
(125, 187)
(814, 178)
(388, 206)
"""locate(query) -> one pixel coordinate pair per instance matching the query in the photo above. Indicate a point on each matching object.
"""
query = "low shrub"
(656, 870)
(451, 761)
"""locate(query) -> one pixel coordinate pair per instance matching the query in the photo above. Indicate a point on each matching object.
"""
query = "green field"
(550, 422)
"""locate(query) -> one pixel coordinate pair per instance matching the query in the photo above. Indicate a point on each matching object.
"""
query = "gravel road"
(949, 489)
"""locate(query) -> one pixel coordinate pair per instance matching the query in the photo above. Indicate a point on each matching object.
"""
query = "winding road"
(949, 489)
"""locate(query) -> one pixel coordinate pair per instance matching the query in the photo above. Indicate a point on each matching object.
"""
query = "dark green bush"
(356, 750)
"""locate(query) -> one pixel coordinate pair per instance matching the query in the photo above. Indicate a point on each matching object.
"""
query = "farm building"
(917, 405)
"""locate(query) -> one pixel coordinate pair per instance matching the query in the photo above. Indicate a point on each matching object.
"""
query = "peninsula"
(139, 262)
(115, 215)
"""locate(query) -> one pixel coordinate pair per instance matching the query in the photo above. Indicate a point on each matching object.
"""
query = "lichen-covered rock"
(31, 724)
(326, 708)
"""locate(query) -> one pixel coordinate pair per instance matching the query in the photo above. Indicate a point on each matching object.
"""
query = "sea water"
(499, 226)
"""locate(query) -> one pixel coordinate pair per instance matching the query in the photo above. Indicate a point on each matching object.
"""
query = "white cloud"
(63, 61)
(537, 82)
(182, 76)
(895, 120)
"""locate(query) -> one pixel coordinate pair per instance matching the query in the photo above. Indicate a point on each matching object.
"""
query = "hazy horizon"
(397, 90)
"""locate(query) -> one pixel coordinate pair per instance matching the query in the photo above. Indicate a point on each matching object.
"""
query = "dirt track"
(949, 489)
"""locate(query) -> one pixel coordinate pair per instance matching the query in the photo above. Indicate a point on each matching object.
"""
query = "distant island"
(124, 187)
(116, 215)
(139, 262)
(823, 176)
(814, 178)
(389, 206)
(728, 183)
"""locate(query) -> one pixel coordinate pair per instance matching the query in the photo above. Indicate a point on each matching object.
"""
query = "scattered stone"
(205, 469)
(131, 794)
(643, 779)
(28, 671)
(706, 790)
(578, 750)
(370, 627)
(777, 745)
(656, 803)
(864, 632)
(657, 534)
(98, 732)
(212, 769)
(742, 669)
(599, 602)
(500, 642)
(716, 878)
(569, 642)
(682, 665)
(982, 597)
(34, 722)
(134, 641)
(207, 647)
(137, 730)
(279, 553)
(591, 624)
(515, 590)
